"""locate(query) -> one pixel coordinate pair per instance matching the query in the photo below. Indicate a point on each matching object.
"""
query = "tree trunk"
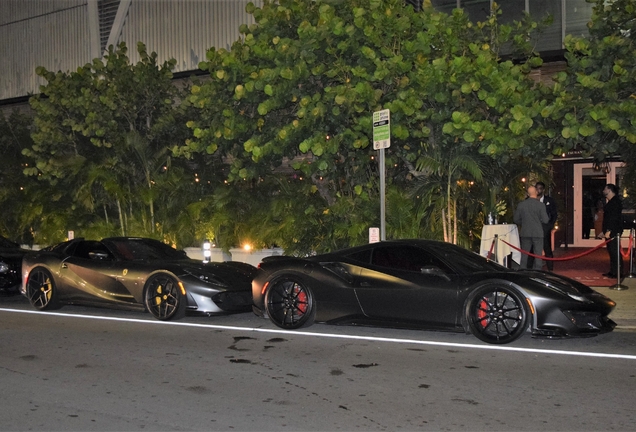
(449, 212)
(444, 225)
(105, 214)
(454, 221)
(152, 216)
(121, 218)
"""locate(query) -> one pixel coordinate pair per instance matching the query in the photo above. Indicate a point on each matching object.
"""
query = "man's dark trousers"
(615, 256)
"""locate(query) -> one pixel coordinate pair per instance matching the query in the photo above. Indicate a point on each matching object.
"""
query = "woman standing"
(598, 219)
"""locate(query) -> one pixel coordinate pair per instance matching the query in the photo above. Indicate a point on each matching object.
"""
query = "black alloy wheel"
(163, 298)
(41, 290)
(497, 314)
(290, 303)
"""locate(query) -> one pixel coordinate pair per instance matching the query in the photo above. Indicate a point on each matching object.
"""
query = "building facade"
(66, 34)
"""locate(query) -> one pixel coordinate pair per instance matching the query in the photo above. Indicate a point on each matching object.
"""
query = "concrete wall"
(236, 254)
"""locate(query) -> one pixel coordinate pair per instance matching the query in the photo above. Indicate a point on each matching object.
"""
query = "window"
(577, 15)
(511, 10)
(445, 6)
(84, 248)
(477, 10)
(551, 38)
(362, 256)
(408, 258)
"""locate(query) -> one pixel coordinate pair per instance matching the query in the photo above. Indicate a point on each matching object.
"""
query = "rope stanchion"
(619, 252)
(631, 254)
(492, 256)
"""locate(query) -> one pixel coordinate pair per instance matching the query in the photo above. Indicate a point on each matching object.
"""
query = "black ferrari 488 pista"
(426, 284)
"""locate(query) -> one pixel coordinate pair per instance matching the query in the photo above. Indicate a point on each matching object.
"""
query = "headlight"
(573, 296)
(579, 298)
(4, 267)
(205, 277)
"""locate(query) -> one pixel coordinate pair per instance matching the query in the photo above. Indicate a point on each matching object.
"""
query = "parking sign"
(381, 129)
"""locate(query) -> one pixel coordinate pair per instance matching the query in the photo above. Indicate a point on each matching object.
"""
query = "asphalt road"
(98, 369)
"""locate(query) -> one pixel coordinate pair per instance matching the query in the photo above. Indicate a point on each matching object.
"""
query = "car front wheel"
(163, 298)
(41, 289)
(290, 303)
(497, 314)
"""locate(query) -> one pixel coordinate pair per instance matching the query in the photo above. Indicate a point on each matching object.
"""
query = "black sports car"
(136, 273)
(426, 284)
(10, 262)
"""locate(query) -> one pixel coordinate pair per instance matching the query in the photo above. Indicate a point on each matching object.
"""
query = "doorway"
(589, 182)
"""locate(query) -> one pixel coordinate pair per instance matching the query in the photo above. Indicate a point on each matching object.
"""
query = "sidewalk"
(587, 268)
(624, 315)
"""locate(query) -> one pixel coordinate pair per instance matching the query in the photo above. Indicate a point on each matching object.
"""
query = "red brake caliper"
(481, 313)
(301, 297)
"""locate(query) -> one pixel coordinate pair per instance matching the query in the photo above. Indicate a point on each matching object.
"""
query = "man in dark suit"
(531, 215)
(551, 209)
(613, 228)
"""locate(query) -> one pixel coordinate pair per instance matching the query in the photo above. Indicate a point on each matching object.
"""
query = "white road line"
(335, 336)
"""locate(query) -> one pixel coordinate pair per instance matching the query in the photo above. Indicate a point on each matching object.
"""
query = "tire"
(163, 298)
(497, 314)
(290, 303)
(41, 290)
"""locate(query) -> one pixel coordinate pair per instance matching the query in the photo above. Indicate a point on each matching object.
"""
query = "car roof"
(401, 242)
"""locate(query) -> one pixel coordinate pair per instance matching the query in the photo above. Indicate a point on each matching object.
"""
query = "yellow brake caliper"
(158, 297)
(46, 289)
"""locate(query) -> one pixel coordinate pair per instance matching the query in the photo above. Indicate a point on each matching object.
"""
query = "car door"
(408, 284)
(94, 274)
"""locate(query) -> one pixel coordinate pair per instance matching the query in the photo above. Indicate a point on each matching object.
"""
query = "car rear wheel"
(163, 298)
(290, 303)
(497, 314)
(41, 289)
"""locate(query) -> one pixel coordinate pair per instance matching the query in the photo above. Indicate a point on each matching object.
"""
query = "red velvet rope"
(559, 259)
(629, 247)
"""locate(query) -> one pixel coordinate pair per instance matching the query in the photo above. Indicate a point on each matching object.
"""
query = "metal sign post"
(496, 247)
(631, 253)
(382, 196)
(381, 141)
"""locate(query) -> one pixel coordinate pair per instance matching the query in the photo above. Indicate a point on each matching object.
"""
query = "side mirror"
(434, 271)
(98, 256)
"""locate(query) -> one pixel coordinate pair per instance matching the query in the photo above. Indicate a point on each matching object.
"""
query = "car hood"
(12, 253)
(563, 283)
(230, 273)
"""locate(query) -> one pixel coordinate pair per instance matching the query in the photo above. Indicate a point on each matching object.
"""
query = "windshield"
(465, 261)
(143, 249)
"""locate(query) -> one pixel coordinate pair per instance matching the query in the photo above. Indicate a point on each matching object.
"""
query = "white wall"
(236, 254)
